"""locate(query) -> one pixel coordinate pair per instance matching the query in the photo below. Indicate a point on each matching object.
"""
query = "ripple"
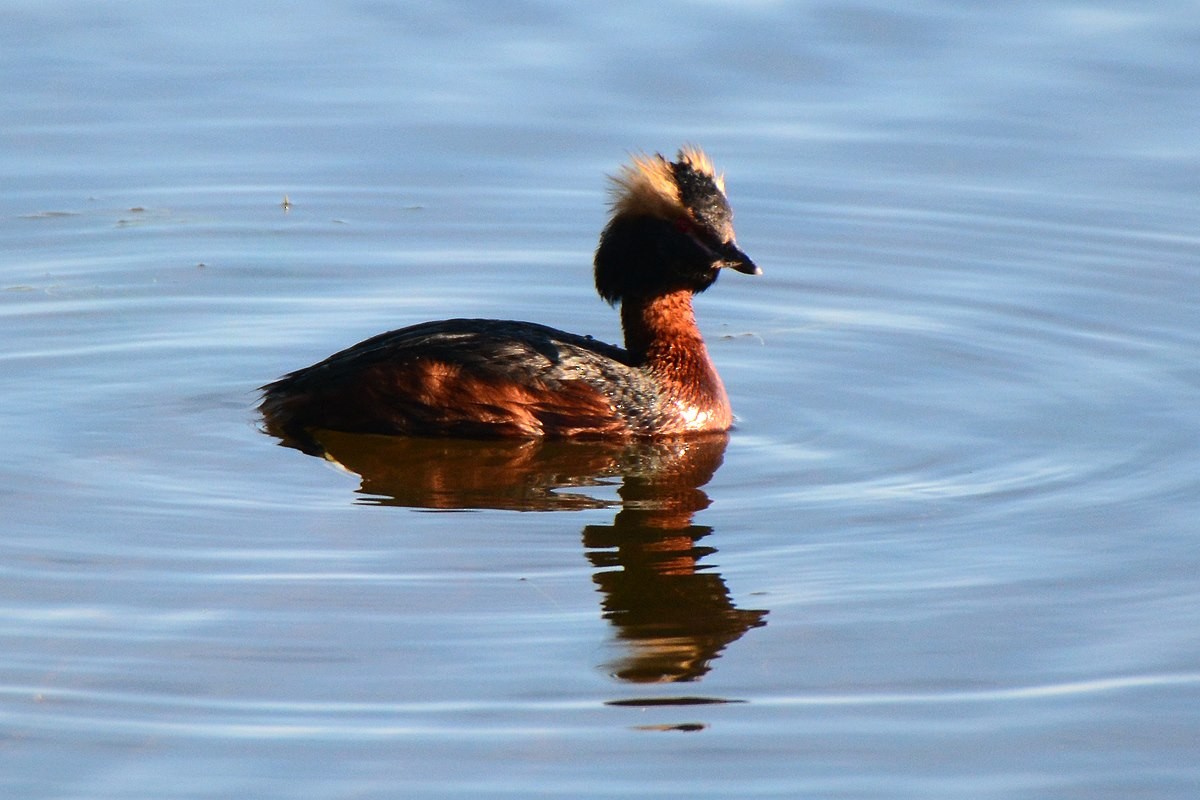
(149, 714)
(1023, 357)
(1111, 685)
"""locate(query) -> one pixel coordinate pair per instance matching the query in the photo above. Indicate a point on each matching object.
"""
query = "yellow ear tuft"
(646, 187)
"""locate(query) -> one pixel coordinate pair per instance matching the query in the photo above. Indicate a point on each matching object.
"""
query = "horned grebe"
(669, 236)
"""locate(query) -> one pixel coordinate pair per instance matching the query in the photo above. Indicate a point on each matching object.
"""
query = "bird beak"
(734, 258)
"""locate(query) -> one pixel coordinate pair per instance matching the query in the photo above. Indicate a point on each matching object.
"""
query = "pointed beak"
(734, 258)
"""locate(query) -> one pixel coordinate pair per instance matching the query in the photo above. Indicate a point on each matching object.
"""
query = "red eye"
(683, 224)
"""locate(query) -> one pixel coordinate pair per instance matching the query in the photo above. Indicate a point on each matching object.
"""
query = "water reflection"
(674, 615)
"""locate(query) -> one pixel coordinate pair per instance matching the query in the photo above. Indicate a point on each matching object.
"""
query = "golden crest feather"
(647, 186)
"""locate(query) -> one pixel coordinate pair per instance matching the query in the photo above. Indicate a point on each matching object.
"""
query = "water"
(949, 551)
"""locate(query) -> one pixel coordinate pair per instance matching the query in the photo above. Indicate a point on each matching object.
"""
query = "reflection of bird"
(675, 617)
(674, 613)
(516, 474)
(670, 234)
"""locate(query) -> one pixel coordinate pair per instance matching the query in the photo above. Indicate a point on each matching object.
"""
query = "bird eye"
(683, 224)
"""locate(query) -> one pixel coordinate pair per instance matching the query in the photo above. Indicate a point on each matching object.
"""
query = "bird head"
(671, 228)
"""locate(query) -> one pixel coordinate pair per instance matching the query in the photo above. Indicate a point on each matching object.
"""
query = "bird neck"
(662, 327)
(661, 337)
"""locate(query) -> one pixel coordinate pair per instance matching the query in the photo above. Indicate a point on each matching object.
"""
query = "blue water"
(949, 551)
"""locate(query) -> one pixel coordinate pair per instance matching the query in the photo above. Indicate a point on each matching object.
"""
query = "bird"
(669, 235)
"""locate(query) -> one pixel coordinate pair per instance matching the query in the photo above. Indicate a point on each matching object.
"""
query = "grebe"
(669, 236)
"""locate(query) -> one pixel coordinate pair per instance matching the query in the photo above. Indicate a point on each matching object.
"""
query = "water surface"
(949, 550)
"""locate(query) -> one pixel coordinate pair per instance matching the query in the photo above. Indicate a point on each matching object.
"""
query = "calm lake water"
(950, 550)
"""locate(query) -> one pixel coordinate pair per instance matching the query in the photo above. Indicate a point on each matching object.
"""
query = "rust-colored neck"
(662, 337)
(655, 327)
